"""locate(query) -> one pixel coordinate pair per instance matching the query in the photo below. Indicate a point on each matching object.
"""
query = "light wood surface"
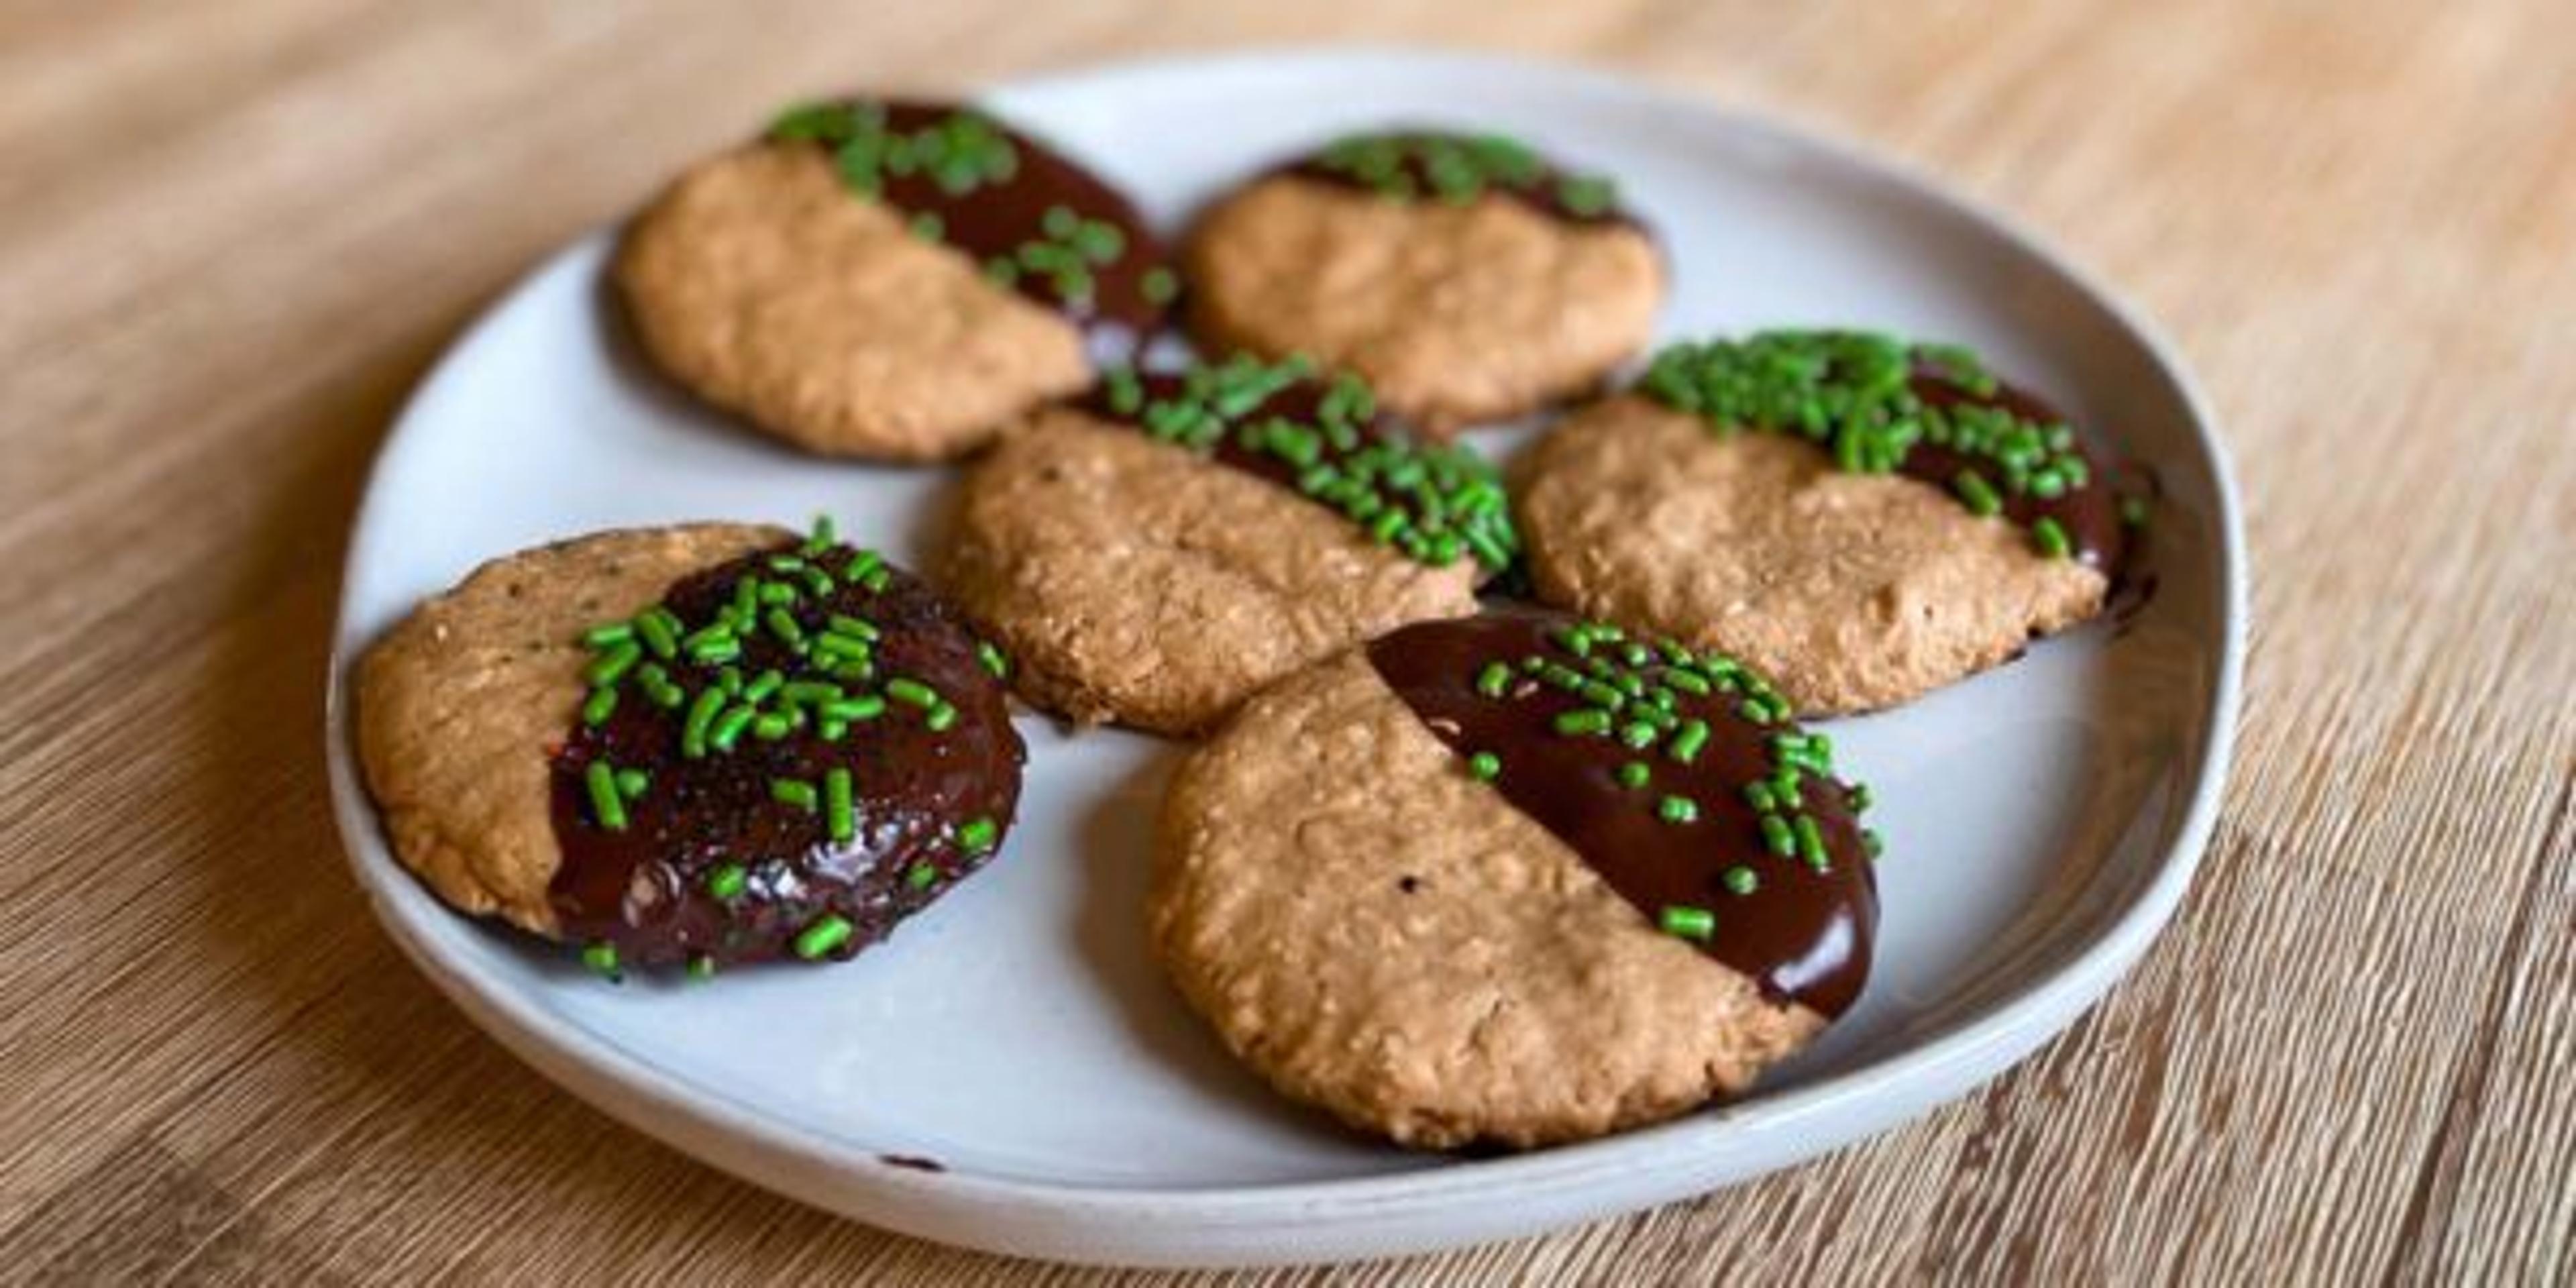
(233, 235)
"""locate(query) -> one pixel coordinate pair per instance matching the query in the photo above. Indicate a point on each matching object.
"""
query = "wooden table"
(234, 235)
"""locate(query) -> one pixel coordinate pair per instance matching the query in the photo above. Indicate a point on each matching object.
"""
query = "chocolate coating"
(2090, 514)
(644, 889)
(994, 220)
(1542, 192)
(1804, 935)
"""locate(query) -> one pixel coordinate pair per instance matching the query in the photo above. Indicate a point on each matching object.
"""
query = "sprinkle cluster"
(1853, 393)
(960, 152)
(1067, 252)
(1460, 168)
(1436, 503)
(689, 670)
(1636, 693)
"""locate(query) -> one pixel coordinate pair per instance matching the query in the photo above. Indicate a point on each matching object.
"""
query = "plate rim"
(944, 1205)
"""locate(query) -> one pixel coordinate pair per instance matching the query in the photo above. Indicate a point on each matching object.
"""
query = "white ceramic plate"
(2042, 821)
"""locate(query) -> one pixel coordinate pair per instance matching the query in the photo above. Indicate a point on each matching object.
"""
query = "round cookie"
(1862, 519)
(1157, 554)
(1463, 276)
(889, 280)
(703, 744)
(1438, 886)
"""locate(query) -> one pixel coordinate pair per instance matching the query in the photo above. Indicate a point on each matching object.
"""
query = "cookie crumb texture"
(458, 704)
(1454, 313)
(1138, 582)
(1851, 591)
(1377, 934)
(763, 284)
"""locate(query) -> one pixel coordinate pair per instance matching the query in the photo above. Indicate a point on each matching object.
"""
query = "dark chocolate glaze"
(1803, 935)
(2090, 515)
(644, 889)
(993, 221)
(1540, 194)
(1300, 401)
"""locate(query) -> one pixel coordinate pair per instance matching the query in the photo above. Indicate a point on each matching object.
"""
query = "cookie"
(1464, 276)
(889, 280)
(1513, 879)
(1861, 518)
(1178, 541)
(704, 745)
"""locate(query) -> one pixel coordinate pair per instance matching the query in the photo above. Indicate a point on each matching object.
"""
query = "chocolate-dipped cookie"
(1514, 879)
(1465, 276)
(1157, 553)
(1862, 518)
(697, 745)
(890, 280)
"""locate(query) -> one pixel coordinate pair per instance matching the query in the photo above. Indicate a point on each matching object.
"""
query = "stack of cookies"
(1500, 826)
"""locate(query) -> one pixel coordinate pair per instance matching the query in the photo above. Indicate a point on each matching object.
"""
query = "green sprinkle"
(1159, 286)
(864, 707)
(2133, 511)
(1639, 734)
(607, 808)
(911, 692)
(601, 957)
(863, 565)
(1741, 880)
(715, 649)
(1677, 809)
(2050, 538)
(920, 876)
(1687, 743)
(1758, 795)
(598, 707)
(822, 536)
(1776, 836)
(608, 667)
(1585, 721)
(993, 660)
(828, 932)
(729, 728)
(1811, 842)
(784, 627)
(808, 693)
(727, 882)
(654, 627)
(632, 782)
(1685, 922)
(1857, 797)
(941, 718)
(1634, 774)
(1494, 680)
(840, 815)
(1870, 843)
(1979, 495)
(977, 836)
(702, 967)
(608, 634)
(701, 717)
(772, 726)
(1606, 696)
(1485, 766)
(792, 792)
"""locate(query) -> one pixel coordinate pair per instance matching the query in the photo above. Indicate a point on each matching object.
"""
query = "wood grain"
(234, 236)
